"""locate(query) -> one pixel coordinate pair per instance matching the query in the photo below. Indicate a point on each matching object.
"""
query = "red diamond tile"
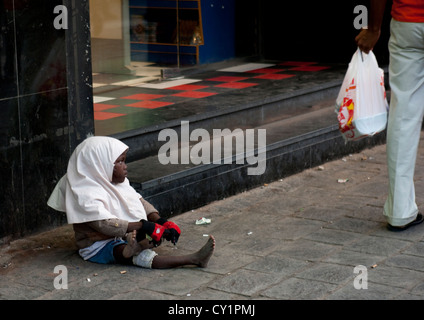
(143, 96)
(236, 85)
(188, 87)
(227, 79)
(101, 106)
(296, 63)
(309, 68)
(100, 115)
(150, 104)
(194, 94)
(265, 70)
(274, 76)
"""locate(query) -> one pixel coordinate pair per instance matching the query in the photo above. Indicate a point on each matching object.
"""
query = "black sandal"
(418, 220)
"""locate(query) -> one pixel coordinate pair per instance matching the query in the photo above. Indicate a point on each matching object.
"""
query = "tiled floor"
(124, 103)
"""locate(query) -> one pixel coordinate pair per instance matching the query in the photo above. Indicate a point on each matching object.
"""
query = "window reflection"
(130, 34)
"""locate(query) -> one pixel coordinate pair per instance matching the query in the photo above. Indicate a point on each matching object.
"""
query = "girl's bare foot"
(132, 248)
(199, 258)
(202, 256)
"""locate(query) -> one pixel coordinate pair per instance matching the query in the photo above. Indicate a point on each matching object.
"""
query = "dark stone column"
(46, 107)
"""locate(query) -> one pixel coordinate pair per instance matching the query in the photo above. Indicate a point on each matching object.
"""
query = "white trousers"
(406, 74)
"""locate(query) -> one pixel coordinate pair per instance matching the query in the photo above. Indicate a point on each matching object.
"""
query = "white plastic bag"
(361, 105)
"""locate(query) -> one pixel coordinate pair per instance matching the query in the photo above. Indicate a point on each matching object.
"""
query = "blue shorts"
(105, 255)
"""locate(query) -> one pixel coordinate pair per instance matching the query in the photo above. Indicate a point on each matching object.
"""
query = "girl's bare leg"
(199, 258)
(132, 248)
(124, 253)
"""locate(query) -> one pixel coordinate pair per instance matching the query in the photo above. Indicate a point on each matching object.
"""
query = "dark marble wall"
(45, 107)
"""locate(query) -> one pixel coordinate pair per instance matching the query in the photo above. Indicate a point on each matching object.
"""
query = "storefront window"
(131, 34)
(139, 47)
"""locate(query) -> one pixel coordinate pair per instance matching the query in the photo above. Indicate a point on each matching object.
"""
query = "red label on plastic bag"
(345, 116)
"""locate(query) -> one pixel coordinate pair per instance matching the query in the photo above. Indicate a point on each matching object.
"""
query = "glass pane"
(132, 42)
(141, 37)
(166, 32)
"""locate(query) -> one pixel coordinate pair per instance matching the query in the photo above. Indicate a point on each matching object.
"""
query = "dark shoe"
(418, 220)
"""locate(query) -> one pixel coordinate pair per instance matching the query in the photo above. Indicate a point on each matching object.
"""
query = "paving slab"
(300, 237)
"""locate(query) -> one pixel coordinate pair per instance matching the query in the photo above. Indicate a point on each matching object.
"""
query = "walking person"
(406, 77)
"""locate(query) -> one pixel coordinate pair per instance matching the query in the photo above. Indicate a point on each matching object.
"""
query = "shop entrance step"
(239, 111)
(303, 138)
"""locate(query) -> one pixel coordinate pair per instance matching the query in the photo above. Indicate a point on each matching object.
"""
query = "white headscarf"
(86, 192)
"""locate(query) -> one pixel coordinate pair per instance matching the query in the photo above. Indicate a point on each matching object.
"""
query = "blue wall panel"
(218, 20)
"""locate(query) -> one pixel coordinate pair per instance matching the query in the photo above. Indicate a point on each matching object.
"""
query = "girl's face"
(120, 169)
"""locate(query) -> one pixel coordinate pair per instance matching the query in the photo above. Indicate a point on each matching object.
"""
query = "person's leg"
(123, 253)
(405, 119)
(199, 258)
(119, 257)
(151, 260)
(136, 253)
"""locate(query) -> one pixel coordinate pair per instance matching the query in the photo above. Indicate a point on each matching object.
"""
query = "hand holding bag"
(361, 105)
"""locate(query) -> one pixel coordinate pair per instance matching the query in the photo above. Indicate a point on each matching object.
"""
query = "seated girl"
(112, 222)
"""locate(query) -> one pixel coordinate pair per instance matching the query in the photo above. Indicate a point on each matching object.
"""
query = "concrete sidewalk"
(307, 236)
